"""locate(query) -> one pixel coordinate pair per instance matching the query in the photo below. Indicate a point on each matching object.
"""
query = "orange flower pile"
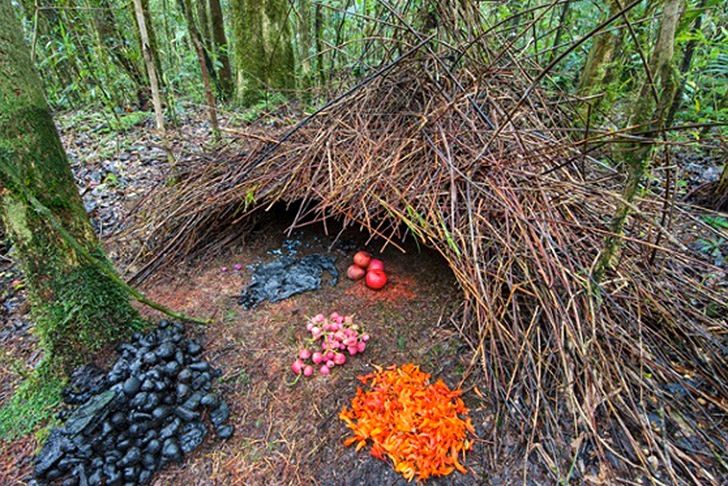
(421, 427)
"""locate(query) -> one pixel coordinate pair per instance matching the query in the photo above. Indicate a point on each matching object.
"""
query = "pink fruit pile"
(331, 339)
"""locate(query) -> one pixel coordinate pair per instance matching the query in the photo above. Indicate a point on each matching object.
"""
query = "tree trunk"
(685, 65)
(263, 47)
(106, 25)
(77, 307)
(599, 62)
(151, 68)
(200, 50)
(221, 49)
(318, 37)
(648, 116)
(204, 21)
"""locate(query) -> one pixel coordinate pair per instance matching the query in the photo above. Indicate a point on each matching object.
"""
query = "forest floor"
(285, 433)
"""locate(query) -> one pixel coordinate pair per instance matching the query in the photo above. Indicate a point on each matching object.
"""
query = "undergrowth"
(33, 404)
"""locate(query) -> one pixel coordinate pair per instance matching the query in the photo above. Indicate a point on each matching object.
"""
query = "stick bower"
(629, 373)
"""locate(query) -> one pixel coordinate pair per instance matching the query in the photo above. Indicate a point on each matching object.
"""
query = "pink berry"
(365, 337)
(304, 354)
(329, 356)
(319, 318)
(340, 359)
(316, 332)
(308, 370)
(325, 370)
(352, 350)
(297, 366)
(309, 326)
(317, 357)
(223, 269)
(330, 363)
(238, 267)
(361, 346)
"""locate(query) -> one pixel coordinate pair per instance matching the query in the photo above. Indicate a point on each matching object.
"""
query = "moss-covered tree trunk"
(263, 48)
(648, 116)
(599, 65)
(217, 23)
(76, 306)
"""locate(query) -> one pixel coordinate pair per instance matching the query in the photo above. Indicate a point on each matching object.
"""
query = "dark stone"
(186, 414)
(123, 444)
(149, 461)
(192, 436)
(287, 276)
(50, 454)
(160, 413)
(202, 381)
(145, 475)
(220, 415)
(165, 351)
(182, 391)
(149, 358)
(95, 478)
(171, 368)
(118, 420)
(153, 446)
(139, 417)
(210, 400)
(90, 414)
(86, 381)
(131, 474)
(136, 430)
(193, 348)
(170, 429)
(200, 366)
(139, 399)
(194, 401)
(185, 375)
(132, 385)
(151, 402)
(225, 432)
(161, 385)
(171, 450)
(147, 385)
(131, 458)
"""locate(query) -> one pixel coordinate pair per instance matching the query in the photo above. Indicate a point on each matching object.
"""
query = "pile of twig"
(473, 160)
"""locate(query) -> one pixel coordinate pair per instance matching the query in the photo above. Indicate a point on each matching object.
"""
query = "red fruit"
(376, 279)
(355, 272)
(361, 259)
(375, 264)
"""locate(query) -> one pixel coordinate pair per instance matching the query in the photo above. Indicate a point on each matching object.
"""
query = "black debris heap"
(287, 276)
(145, 413)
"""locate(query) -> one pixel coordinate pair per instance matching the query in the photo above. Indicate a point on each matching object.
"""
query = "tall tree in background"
(77, 304)
(151, 65)
(204, 66)
(263, 48)
(648, 115)
(117, 46)
(599, 63)
(221, 49)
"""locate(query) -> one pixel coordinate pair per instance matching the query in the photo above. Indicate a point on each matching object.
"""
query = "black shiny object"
(140, 416)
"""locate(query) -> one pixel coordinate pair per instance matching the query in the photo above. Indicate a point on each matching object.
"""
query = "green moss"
(32, 404)
(84, 315)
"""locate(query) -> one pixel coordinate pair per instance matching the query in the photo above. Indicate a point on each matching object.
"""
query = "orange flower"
(421, 427)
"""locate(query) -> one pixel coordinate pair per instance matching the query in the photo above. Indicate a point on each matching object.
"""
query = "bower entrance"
(293, 432)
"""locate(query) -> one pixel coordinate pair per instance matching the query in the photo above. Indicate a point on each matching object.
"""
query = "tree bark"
(263, 47)
(221, 49)
(113, 40)
(685, 65)
(600, 58)
(151, 68)
(200, 50)
(648, 116)
(77, 307)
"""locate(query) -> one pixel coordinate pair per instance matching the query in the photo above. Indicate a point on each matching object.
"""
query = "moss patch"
(33, 404)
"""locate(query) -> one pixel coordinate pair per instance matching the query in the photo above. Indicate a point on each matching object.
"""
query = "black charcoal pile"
(287, 276)
(145, 413)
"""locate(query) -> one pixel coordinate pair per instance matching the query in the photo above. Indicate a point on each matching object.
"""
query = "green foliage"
(33, 403)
